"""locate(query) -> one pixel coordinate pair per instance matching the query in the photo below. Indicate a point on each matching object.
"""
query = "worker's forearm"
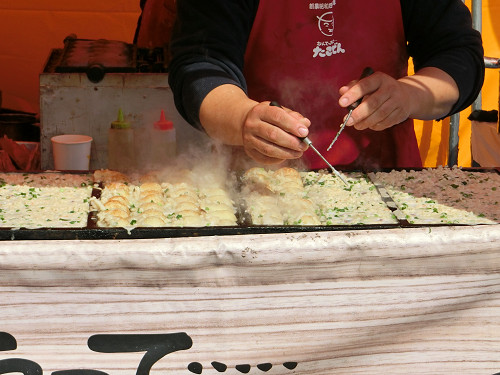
(223, 112)
(433, 93)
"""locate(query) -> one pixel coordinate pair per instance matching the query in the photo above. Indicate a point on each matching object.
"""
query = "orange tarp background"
(29, 29)
(433, 136)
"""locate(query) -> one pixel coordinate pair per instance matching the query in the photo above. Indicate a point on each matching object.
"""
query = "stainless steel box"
(71, 104)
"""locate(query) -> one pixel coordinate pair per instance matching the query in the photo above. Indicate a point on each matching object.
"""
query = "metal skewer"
(366, 72)
(308, 142)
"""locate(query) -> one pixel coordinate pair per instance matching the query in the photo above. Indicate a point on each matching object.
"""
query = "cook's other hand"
(268, 134)
(427, 95)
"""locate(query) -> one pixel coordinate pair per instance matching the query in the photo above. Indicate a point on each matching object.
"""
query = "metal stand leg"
(453, 141)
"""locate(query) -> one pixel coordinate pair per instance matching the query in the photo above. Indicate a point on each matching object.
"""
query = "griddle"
(244, 227)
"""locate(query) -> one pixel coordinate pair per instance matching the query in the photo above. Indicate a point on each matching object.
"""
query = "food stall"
(404, 295)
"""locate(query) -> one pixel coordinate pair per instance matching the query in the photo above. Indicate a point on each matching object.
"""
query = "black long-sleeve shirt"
(210, 37)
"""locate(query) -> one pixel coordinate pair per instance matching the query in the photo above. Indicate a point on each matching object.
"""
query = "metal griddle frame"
(93, 232)
(139, 60)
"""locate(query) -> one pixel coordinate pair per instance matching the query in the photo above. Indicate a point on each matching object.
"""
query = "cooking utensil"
(308, 142)
(366, 72)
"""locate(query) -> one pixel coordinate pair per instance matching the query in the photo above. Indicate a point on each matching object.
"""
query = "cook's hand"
(386, 102)
(270, 134)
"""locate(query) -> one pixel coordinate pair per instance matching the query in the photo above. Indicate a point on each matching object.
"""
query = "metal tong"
(308, 142)
(366, 72)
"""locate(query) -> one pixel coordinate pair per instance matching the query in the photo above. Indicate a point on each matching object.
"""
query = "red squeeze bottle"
(163, 141)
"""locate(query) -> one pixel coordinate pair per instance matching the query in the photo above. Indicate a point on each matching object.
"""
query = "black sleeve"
(208, 48)
(440, 34)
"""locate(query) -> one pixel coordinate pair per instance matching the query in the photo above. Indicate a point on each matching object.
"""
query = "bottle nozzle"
(120, 115)
(120, 123)
(163, 123)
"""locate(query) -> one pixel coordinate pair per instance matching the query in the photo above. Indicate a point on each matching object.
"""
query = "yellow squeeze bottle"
(121, 155)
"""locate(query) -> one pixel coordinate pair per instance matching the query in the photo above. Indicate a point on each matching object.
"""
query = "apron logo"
(326, 23)
(331, 47)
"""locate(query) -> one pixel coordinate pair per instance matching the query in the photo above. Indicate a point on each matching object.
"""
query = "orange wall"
(433, 136)
(29, 29)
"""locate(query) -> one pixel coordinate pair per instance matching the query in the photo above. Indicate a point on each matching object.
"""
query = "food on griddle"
(284, 196)
(50, 179)
(45, 200)
(277, 198)
(359, 203)
(289, 197)
(263, 209)
(107, 176)
(164, 204)
(444, 195)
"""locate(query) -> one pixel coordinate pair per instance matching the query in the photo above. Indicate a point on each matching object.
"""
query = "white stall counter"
(395, 301)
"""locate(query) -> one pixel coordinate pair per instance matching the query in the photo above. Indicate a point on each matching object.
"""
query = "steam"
(207, 164)
(297, 94)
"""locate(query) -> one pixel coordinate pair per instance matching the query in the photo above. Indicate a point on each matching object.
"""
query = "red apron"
(301, 52)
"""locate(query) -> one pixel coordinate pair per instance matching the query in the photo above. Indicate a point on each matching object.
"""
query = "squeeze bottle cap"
(164, 124)
(119, 123)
